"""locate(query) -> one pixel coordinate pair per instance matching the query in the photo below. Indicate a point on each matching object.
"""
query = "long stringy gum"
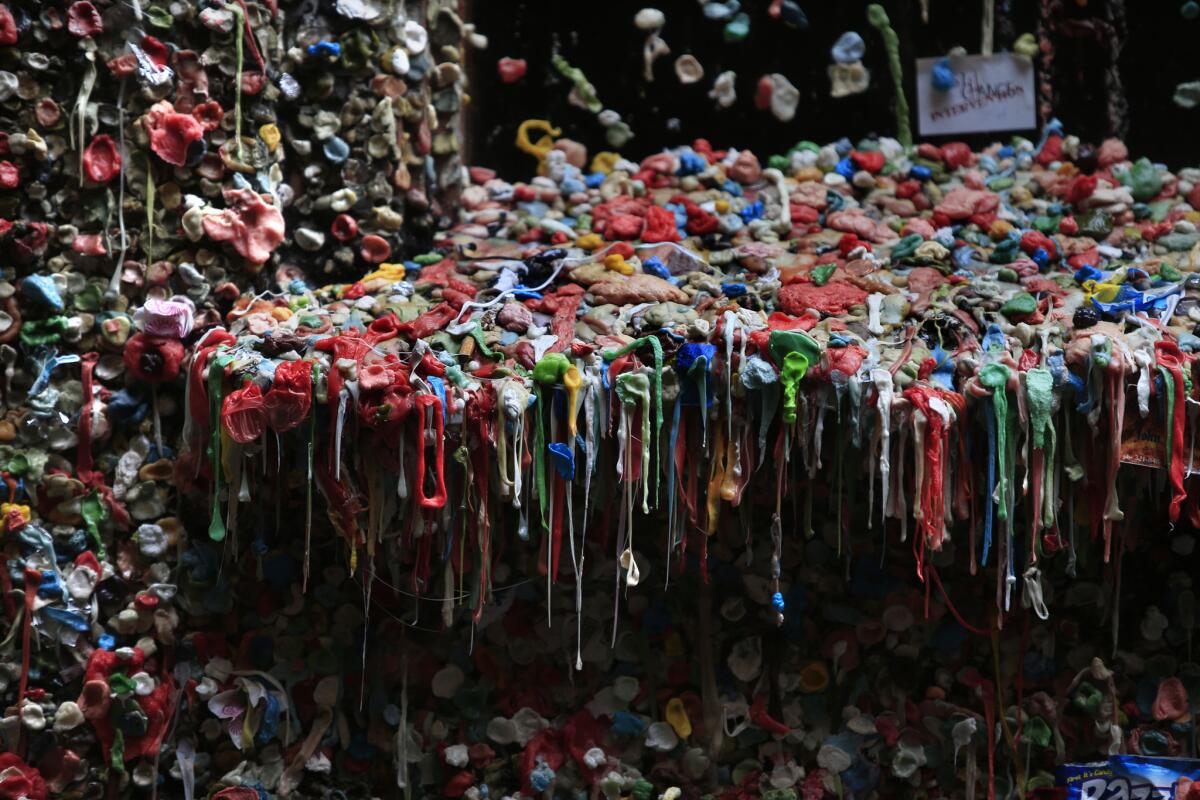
(878, 18)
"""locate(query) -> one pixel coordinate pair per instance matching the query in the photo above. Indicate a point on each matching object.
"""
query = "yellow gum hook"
(542, 147)
(605, 161)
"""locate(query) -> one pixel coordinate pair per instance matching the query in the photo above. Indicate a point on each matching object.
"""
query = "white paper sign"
(990, 93)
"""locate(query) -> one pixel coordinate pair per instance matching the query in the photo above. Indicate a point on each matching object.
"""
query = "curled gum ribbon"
(541, 148)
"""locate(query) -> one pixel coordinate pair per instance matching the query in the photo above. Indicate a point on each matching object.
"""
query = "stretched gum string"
(1038, 458)
(883, 388)
(932, 492)
(920, 535)
(239, 46)
(1009, 500)
(83, 458)
(572, 380)
(639, 387)
(1038, 384)
(1050, 482)
(539, 454)
(672, 491)
(32, 579)
(995, 377)
(656, 347)
(559, 502)
(310, 454)
(920, 427)
(986, 690)
(899, 502)
(1116, 398)
(728, 324)
(549, 547)
(735, 473)
(216, 395)
(716, 470)
(249, 37)
(149, 210)
(988, 498)
(684, 475)
(438, 498)
(1168, 365)
(1004, 726)
(501, 437)
(878, 18)
(700, 367)
(644, 451)
(484, 535)
(728, 479)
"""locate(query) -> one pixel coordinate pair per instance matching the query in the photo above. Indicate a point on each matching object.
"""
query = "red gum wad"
(252, 226)
(835, 297)
(171, 133)
(101, 160)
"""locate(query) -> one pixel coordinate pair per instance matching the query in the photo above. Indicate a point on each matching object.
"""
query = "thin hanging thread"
(240, 13)
(114, 283)
(149, 212)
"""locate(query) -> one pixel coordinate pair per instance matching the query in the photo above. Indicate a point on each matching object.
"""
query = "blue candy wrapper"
(1129, 778)
(1094, 781)
(1168, 778)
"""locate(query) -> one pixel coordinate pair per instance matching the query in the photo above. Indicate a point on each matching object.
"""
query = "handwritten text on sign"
(990, 93)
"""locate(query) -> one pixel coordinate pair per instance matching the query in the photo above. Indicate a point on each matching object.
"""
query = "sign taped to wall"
(990, 93)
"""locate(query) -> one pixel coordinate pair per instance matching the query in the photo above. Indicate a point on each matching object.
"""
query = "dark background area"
(601, 39)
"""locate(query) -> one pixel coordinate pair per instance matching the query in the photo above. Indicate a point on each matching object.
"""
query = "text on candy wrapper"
(1115, 788)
